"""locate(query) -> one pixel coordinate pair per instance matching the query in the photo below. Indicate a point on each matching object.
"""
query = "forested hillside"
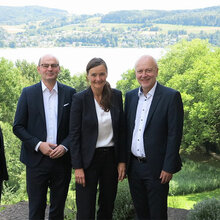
(20, 15)
(199, 17)
(33, 26)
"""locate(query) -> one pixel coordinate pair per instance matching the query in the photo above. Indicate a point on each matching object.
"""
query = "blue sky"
(104, 6)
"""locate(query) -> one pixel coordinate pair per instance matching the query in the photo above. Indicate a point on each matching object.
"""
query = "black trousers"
(48, 174)
(148, 194)
(102, 172)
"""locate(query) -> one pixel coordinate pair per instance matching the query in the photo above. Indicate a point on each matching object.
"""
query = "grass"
(2, 208)
(187, 201)
(198, 180)
(195, 177)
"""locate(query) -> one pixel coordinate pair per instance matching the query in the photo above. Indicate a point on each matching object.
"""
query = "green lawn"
(187, 201)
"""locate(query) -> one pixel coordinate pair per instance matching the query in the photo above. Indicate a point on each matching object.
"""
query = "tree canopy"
(193, 68)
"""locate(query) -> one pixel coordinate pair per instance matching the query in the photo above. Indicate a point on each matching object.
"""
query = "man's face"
(48, 69)
(146, 72)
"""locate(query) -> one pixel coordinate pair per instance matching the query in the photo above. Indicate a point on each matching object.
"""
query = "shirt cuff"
(38, 145)
(64, 147)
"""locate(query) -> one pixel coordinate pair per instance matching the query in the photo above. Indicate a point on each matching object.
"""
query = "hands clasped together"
(52, 150)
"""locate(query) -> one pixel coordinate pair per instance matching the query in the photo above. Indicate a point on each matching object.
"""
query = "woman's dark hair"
(107, 92)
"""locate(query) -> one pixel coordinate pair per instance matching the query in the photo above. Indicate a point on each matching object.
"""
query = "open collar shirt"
(51, 109)
(144, 103)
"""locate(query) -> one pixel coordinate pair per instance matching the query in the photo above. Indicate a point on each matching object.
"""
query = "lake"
(118, 60)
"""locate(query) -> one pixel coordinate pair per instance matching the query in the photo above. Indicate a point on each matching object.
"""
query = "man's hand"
(80, 177)
(46, 148)
(57, 152)
(121, 171)
(165, 177)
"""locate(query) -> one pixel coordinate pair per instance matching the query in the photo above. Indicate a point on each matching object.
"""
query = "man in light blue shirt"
(154, 122)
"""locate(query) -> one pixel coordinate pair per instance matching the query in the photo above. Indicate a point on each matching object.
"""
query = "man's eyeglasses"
(48, 65)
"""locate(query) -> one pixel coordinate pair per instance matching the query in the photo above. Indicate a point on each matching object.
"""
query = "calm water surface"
(118, 60)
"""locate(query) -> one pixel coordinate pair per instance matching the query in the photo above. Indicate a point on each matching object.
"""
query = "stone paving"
(19, 211)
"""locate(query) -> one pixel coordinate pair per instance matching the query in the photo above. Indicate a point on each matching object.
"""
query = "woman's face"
(97, 77)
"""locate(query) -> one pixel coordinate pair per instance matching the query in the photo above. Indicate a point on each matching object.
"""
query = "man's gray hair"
(146, 57)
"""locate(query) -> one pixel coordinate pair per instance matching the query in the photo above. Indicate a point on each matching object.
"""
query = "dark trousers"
(148, 194)
(102, 172)
(48, 174)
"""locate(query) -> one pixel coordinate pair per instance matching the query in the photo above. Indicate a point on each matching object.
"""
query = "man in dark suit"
(3, 168)
(154, 122)
(42, 124)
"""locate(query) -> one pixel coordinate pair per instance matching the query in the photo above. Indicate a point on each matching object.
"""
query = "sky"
(105, 6)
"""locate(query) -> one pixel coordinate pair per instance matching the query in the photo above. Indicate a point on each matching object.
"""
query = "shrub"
(206, 210)
(195, 177)
(123, 203)
(70, 206)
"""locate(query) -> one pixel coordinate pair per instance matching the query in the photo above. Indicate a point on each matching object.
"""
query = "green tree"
(15, 190)
(79, 82)
(128, 82)
(64, 76)
(28, 70)
(193, 69)
(181, 57)
(12, 82)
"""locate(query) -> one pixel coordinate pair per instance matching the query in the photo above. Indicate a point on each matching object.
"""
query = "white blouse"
(105, 130)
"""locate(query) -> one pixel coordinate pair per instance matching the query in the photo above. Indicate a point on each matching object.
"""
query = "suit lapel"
(113, 110)
(90, 102)
(40, 101)
(61, 96)
(134, 104)
(156, 98)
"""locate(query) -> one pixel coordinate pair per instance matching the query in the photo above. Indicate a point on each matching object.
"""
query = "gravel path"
(19, 211)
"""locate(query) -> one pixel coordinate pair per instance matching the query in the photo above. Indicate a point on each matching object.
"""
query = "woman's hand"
(121, 171)
(80, 177)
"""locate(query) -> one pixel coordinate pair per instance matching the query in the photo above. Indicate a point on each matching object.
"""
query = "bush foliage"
(123, 203)
(195, 177)
(206, 210)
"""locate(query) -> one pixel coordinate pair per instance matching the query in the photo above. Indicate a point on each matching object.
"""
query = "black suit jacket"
(3, 167)
(30, 125)
(84, 128)
(163, 130)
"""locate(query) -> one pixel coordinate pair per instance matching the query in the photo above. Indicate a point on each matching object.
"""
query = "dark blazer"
(84, 128)
(3, 167)
(163, 130)
(30, 125)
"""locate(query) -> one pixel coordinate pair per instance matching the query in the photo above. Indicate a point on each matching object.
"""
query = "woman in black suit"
(3, 168)
(97, 148)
